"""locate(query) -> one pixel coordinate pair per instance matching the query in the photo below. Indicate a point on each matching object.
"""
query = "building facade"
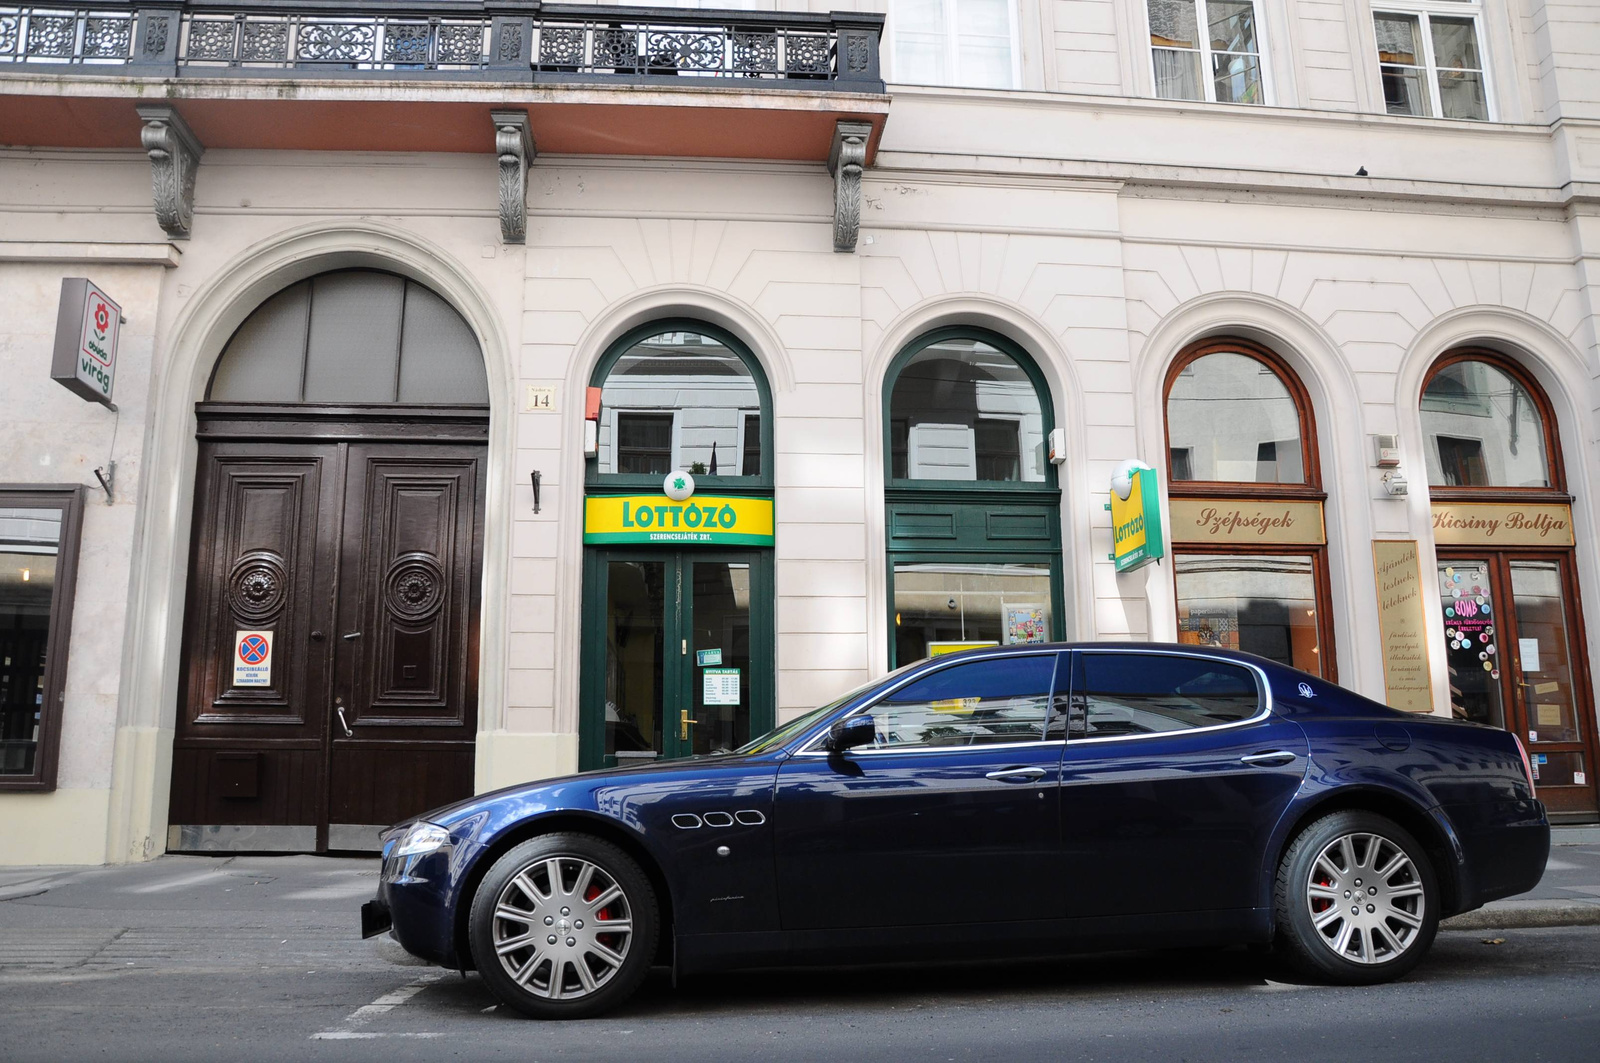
(424, 317)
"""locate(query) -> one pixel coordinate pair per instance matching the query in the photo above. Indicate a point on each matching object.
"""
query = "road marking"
(382, 1006)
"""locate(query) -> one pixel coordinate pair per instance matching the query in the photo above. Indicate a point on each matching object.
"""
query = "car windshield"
(777, 737)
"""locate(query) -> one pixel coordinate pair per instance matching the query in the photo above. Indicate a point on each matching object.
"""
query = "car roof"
(1141, 647)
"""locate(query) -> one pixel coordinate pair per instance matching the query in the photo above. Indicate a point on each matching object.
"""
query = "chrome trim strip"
(241, 838)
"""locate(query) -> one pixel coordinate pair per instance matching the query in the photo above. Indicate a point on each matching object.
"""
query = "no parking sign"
(252, 659)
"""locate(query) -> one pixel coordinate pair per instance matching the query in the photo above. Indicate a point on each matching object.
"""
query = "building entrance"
(673, 664)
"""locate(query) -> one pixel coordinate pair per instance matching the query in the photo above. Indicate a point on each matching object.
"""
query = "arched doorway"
(973, 510)
(330, 659)
(1502, 527)
(678, 643)
(1249, 541)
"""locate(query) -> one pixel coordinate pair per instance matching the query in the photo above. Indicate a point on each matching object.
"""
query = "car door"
(950, 816)
(1174, 774)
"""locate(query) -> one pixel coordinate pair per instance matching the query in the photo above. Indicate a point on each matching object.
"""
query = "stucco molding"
(1352, 488)
(151, 677)
(515, 151)
(981, 310)
(846, 160)
(174, 153)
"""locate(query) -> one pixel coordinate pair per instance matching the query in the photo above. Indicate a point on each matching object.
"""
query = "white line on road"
(382, 1006)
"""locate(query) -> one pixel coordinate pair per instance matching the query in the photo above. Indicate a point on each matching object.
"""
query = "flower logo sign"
(87, 327)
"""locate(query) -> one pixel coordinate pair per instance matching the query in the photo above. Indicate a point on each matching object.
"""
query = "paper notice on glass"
(1528, 650)
(720, 686)
(1580, 779)
(1548, 715)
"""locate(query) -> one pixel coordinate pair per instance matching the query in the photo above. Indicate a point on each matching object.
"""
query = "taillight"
(1527, 765)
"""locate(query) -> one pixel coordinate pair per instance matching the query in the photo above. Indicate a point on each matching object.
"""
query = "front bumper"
(416, 904)
(375, 918)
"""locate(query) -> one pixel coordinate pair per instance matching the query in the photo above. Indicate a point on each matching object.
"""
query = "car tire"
(1324, 931)
(563, 926)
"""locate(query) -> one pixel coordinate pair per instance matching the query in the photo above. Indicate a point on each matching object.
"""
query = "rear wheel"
(563, 926)
(1357, 900)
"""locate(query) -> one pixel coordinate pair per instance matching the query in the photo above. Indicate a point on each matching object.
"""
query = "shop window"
(967, 43)
(1001, 700)
(1483, 428)
(1122, 694)
(1206, 50)
(39, 528)
(1242, 457)
(1430, 61)
(973, 509)
(680, 398)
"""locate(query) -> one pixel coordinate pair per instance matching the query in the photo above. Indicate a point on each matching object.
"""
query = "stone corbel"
(174, 157)
(845, 161)
(513, 144)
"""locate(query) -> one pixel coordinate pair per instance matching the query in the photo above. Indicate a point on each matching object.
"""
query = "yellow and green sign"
(1136, 522)
(708, 520)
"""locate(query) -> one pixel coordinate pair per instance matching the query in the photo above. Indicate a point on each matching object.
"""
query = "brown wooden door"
(360, 559)
(1514, 648)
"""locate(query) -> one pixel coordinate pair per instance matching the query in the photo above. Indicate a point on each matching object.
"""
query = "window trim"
(1309, 491)
(69, 499)
(760, 484)
(1557, 491)
(1208, 80)
(952, 53)
(1423, 9)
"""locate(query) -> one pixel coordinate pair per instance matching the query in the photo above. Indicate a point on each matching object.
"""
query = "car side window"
(1001, 699)
(1145, 693)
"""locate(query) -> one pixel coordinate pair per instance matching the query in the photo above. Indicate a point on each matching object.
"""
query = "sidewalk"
(1568, 895)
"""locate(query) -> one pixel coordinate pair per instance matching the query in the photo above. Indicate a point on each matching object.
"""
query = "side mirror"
(850, 732)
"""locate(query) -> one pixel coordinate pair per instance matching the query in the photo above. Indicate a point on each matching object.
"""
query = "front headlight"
(422, 838)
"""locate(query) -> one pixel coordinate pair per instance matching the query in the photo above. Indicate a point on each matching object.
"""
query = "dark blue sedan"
(1019, 801)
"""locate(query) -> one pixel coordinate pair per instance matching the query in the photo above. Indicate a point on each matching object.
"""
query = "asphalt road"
(257, 959)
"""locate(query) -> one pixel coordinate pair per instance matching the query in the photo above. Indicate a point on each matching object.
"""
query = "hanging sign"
(1502, 524)
(1233, 521)
(1406, 677)
(252, 659)
(712, 520)
(87, 326)
(1136, 519)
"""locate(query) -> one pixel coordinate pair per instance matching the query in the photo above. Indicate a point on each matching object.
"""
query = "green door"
(677, 653)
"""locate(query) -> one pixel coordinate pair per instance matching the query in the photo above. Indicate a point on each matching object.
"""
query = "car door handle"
(1268, 760)
(1016, 774)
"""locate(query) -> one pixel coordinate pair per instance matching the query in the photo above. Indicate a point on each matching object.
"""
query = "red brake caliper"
(590, 894)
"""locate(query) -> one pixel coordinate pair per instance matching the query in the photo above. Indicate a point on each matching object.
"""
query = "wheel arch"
(560, 822)
(1428, 825)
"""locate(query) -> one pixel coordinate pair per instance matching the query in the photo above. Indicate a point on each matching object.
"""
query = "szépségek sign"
(87, 325)
(713, 520)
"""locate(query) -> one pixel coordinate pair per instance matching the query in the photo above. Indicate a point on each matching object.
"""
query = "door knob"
(1016, 774)
(351, 635)
(685, 721)
(1268, 760)
(343, 722)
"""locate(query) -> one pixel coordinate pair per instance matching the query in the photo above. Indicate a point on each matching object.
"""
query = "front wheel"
(563, 926)
(1357, 901)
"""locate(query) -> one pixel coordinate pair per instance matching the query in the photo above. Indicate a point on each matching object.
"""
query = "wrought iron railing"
(509, 40)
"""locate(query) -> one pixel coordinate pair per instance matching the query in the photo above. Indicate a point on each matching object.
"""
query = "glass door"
(677, 653)
(1511, 635)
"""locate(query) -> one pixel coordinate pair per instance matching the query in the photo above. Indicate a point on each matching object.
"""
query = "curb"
(1525, 915)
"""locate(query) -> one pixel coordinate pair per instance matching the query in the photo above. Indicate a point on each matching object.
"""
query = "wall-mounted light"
(536, 478)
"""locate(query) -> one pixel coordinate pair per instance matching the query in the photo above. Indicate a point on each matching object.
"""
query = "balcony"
(318, 74)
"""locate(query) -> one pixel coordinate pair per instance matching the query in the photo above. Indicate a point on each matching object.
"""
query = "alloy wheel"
(1366, 898)
(562, 927)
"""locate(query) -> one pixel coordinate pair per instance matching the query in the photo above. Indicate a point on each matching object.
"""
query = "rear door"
(951, 816)
(1173, 777)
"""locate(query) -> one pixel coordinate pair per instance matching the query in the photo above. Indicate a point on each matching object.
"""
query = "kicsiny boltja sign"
(710, 520)
(87, 325)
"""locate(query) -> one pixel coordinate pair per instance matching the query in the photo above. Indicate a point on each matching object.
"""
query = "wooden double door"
(1516, 660)
(331, 629)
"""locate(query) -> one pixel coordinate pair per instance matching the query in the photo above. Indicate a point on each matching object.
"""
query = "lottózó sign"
(87, 325)
(1136, 520)
(707, 520)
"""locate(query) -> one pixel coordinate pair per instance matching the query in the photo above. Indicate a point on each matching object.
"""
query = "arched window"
(1507, 583)
(1249, 552)
(353, 336)
(1483, 425)
(973, 512)
(682, 396)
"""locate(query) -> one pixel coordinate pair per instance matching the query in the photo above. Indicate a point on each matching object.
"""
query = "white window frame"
(1422, 9)
(1208, 79)
(952, 54)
